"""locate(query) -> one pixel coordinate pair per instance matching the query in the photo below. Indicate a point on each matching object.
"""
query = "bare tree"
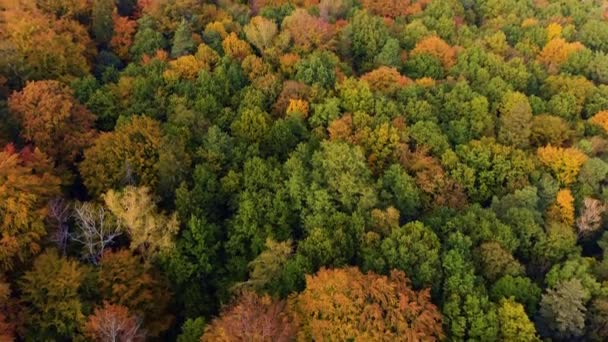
(97, 228)
(58, 216)
(114, 323)
(591, 216)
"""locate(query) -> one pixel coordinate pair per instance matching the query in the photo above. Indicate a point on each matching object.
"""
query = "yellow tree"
(556, 52)
(26, 186)
(565, 163)
(151, 232)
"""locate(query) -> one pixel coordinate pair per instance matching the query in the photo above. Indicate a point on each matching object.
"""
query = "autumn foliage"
(345, 304)
(438, 48)
(565, 163)
(252, 318)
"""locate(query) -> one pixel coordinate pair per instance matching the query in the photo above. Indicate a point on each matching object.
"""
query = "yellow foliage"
(151, 232)
(529, 22)
(564, 204)
(425, 82)
(554, 30)
(298, 106)
(207, 55)
(235, 47)
(218, 27)
(556, 52)
(565, 163)
(601, 119)
(186, 67)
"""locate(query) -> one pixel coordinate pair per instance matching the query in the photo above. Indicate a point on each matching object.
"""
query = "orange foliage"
(385, 80)
(341, 129)
(124, 29)
(393, 8)
(565, 163)
(124, 280)
(26, 185)
(601, 119)
(556, 52)
(288, 63)
(437, 187)
(113, 323)
(53, 120)
(252, 318)
(235, 47)
(344, 304)
(308, 32)
(438, 48)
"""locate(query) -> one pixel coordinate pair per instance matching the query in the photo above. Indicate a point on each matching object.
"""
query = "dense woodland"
(274, 170)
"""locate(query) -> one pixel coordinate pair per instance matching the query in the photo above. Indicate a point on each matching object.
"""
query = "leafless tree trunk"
(97, 229)
(58, 216)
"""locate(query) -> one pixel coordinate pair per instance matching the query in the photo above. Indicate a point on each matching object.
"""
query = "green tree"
(414, 249)
(102, 23)
(182, 40)
(368, 35)
(520, 288)
(562, 309)
(50, 289)
(515, 120)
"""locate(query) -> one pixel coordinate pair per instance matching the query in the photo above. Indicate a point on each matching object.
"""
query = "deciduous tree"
(53, 120)
(113, 323)
(344, 304)
(565, 163)
(26, 185)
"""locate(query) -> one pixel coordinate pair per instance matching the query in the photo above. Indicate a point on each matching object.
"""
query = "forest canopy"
(310, 170)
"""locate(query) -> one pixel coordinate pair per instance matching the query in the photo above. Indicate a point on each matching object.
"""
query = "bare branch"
(97, 229)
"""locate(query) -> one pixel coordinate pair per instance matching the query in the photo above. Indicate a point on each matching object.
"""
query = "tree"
(392, 8)
(385, 80)
(590, 219)
(235, 47)
(53, 120)
(97, 229)
(128, 155)
(414, 249)
(123, 280)
(514, 323)
(486, 168)
(39, 47)
(515, 120)
(343, 304)
(601, 119)
(192, 330)
(368, 35)
(50, 290)
(562, 309)
(549, 130)
(260, 32)
(495, 262)
(151, 232)
(102, 23)
(147, 39)
(182, 40)
(307, 32)
(252, 318)
(519, 288)
(556, 52)
(565, 163)
(267, 267)
(27, 183)
(438, 48)
(598, 318)
(252, 125)
(122, 39)
(113, 323)
(317, 68)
